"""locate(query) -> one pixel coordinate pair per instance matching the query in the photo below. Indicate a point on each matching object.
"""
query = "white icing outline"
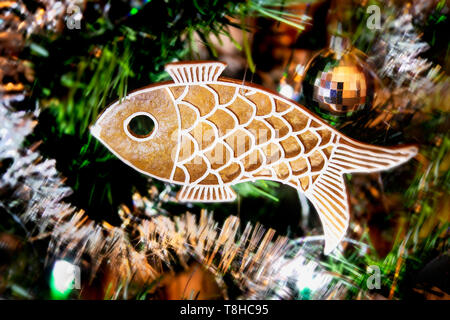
(177, 151)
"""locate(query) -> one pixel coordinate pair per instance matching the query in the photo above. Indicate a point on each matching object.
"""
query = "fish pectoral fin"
(329, 196)
(201, 193)
(195, 72)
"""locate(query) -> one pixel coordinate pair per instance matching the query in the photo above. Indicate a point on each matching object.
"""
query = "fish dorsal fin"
(206, 193)
(195, 72)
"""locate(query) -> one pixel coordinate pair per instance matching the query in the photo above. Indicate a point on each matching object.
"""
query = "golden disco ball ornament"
(337, 82)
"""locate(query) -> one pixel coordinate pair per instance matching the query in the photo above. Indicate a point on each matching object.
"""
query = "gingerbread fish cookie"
(207, 133)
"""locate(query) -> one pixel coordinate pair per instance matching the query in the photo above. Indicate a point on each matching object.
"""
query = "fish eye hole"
(141, 126)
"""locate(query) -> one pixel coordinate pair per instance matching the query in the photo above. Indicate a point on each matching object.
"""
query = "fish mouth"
(95, 131)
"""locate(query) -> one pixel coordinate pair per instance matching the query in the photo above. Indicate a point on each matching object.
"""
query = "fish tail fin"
(329, 196)
(353, 156)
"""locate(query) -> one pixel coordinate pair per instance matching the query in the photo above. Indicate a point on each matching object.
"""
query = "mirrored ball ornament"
(338, 84)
